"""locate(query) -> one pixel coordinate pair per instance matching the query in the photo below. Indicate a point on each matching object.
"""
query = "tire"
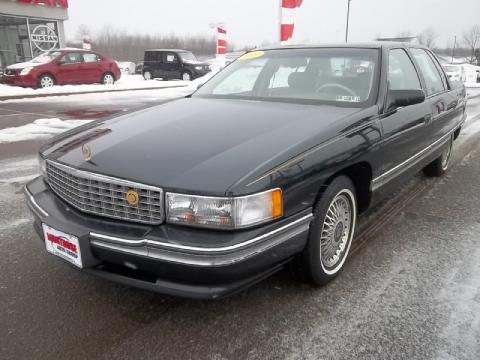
(186, 76)
(331, 231)
(108, 79)
(440, 165)
(46, 81)
(147, 75)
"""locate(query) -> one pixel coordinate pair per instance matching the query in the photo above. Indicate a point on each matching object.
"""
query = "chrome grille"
(104, 195)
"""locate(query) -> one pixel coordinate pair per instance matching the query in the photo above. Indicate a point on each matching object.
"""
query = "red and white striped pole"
(288, 10)
(221, 41)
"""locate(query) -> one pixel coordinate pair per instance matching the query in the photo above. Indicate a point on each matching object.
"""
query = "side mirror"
(402, 98)
(60, 62)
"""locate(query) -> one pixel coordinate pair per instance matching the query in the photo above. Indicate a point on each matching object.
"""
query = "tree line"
(122, 46)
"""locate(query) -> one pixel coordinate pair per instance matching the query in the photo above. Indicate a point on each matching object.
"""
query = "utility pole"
(348, 16)
(454, 44)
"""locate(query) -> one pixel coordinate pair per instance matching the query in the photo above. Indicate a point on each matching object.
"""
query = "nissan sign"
(44, 38)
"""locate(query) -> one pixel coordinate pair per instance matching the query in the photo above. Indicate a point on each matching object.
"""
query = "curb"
(29, 96)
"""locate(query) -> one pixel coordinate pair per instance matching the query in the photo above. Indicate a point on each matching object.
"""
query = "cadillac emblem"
(132, 197)
(87, 152)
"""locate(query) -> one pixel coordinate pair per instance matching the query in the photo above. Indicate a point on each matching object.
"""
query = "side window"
(171, 58)
(430, 72)
(401, 72)
(90, 58)
(72, 58)
(440, 70)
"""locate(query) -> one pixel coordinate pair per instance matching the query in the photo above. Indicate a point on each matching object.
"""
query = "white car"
(455, 72)
(126, 67)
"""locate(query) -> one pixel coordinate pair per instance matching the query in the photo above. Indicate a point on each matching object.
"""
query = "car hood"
(198, 145)
(23, 65)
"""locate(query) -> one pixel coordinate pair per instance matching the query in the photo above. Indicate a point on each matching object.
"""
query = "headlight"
(42, 165)
(198, 67)
(26, 70)
(224, 212)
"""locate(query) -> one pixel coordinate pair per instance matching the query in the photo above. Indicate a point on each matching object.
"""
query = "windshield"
(187, 56)
(46, 57)
(340, 76)
(450, 68)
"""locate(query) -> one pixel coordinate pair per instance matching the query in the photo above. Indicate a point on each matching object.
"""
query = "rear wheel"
(147, 75)
(440, 165)
(186, 76)
(46, 81)
(108, 79)
(331, 231)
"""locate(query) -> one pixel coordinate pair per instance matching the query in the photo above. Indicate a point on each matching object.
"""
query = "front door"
(404, 128)
(68, 71)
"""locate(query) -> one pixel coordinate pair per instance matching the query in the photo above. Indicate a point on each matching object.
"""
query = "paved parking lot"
(410, 290)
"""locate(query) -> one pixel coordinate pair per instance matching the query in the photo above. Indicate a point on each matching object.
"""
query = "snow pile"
(471, 72)
(126, 82)
(41, 128)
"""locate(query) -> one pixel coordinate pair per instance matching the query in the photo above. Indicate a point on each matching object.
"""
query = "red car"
(63, 66)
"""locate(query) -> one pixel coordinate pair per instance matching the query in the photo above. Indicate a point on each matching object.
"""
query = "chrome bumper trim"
(200, 256)
(33, 204)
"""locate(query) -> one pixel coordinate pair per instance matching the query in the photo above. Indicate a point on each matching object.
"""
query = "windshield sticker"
(252, 55)
(348, 98)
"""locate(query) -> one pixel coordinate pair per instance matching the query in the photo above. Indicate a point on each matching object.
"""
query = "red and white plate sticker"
(62, 245)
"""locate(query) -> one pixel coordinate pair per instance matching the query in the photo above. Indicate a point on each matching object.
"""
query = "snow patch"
(39, 129)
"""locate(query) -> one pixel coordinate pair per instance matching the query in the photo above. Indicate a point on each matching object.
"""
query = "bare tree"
(427, 37)
(472, 40)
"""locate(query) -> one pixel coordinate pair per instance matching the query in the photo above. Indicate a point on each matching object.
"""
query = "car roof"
(174, 50)
(366, 45)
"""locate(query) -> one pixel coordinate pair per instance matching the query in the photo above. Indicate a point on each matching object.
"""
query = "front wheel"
(440, 165)
(331, 231)
(108, 79)
(46, 81)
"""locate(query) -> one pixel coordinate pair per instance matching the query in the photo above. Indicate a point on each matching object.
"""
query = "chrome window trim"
(203, 250)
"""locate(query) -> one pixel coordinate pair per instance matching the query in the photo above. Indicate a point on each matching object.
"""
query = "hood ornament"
(87, 152)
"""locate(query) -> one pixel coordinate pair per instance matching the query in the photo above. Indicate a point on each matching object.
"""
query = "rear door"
(404, 128)
(91, 68)
(172, 65)
(68, 70)
(446, 111)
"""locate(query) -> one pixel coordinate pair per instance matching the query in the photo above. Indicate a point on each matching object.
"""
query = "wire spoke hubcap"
(446, 156)
(336, 231)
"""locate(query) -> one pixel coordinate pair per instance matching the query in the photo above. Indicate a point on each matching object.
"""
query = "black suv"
(172, 64)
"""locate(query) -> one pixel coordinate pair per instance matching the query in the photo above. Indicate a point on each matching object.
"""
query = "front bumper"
(19, 80)
(175, 260)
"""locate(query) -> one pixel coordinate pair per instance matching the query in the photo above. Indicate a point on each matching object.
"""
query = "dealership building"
(30, 27)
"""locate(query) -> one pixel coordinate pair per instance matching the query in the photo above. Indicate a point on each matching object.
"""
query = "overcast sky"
(250, 22)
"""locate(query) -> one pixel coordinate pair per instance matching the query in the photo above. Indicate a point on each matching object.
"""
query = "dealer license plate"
(62, 245)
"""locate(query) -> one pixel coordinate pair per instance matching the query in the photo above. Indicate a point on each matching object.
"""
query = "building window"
(14, 40)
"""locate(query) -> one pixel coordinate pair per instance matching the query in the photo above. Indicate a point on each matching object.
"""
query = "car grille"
(105, 196)
(10, 72)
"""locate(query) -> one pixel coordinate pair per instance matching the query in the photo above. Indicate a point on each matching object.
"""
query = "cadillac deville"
(270, 160)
